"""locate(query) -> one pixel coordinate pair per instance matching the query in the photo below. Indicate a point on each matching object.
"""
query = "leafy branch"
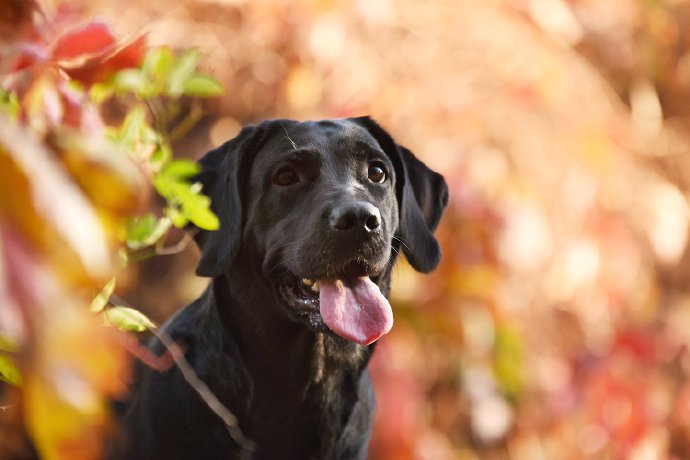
(71, 214)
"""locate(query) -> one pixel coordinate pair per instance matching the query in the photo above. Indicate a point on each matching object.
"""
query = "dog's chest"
(327, 414)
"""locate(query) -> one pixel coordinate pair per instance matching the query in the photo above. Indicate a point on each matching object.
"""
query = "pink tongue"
(355, 309)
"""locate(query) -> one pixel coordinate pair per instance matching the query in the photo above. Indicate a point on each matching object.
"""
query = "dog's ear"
(222, 175)
(422, 198)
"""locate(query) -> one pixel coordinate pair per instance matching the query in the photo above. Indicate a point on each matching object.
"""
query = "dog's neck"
(258, 325)
(290, 367)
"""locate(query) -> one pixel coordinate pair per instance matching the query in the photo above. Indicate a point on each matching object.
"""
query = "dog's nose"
(359, 214)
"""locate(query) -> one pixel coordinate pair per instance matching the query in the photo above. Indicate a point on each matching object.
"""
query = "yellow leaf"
(42, 203)
(109, 177)
(9, 371)
(128, 319)
(101, 300)
(69, 382)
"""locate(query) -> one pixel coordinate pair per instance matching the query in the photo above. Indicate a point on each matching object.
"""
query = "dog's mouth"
(348, 302)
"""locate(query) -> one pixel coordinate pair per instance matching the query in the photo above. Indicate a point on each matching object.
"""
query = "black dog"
(313, 216)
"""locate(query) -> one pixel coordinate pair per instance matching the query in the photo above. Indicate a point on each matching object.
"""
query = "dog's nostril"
(343, 219)
(373, 222)
(360, 214)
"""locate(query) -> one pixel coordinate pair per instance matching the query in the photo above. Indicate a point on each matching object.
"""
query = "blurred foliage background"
(558, 324)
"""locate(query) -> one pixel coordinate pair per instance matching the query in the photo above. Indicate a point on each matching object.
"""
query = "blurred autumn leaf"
(562, 129)
(8, 369)
(61, 248)
(74, 187)
(102, 298)
(127, 319)
(557, 325)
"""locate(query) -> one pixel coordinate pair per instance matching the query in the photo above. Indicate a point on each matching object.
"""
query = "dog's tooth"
(307, 282)
(315, 287)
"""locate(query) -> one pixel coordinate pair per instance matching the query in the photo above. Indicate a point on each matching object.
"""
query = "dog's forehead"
(327, 136)
(329, 133)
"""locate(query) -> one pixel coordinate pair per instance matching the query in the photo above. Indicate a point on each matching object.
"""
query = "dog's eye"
(377, 172)
(286, 176)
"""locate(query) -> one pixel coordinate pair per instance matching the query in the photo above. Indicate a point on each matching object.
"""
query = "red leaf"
(99, 69)
(93, 39)
(128, 56)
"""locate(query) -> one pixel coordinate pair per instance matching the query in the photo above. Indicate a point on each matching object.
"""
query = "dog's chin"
(300, 294)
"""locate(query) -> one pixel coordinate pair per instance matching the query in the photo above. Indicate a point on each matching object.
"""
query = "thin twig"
(175, 248)
(161, 363)
(231, 422)
(159, 249)
(186, 124)
(159, 113)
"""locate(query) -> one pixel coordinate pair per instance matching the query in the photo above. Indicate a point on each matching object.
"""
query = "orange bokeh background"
(557, 326)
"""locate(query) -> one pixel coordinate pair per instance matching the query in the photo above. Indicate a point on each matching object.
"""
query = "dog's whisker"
(273, 271)
(279, 251)
(401, 241)
(284, 246)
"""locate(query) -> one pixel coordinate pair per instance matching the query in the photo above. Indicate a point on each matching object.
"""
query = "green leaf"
(100, 92)
(201, 85)
(146, 231)
(178, 219)
(128, 319)
(183, 68)
(139, 229)
(194, 205)
(158, 63)
(9, 103)
(160, 157)
(132, 126)
(131, 80)
(181, 169)
(101, 300)
(9, 372)
(196, 208)
(183, 197)
(134, 81)
(150, 135)
(164, 186)
(169, 180)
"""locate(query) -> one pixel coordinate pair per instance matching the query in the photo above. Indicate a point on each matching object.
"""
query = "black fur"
(298, 390)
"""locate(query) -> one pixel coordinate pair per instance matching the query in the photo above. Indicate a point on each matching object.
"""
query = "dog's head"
(326, 207)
